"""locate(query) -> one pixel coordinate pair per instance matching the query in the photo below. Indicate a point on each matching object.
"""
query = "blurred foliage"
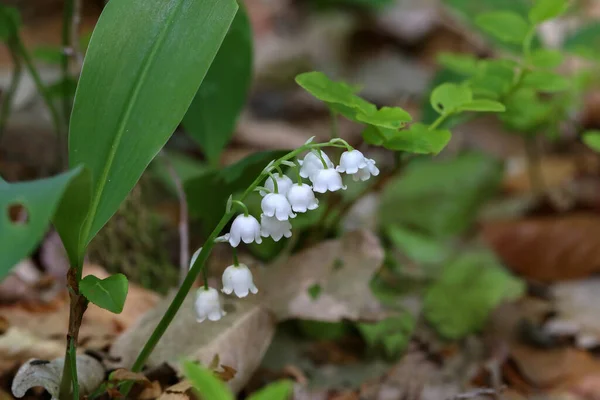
(440, 198)
(470, 287)
(392, 335)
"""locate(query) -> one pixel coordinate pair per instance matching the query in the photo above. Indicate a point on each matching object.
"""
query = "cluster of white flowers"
(282, 199)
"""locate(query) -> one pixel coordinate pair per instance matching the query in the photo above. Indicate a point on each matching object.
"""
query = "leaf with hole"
(205, 382)
(544, 10)
(418, 139)
(483, 105)
(448, 97)
(212, 116)
(386, 117)
(144, 64)
(25, 212)
(281, 390)
(108, 293)
(506, 26)
(592, 140)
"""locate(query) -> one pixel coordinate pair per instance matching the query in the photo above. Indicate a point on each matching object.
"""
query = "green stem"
(199, 266)
(45, 96)
(243, 207)
(12, 89)
(236, 262)
(73, 360)
(318, 153)
(298, 176)
(438, 121)
(334, 124)
(275, 185)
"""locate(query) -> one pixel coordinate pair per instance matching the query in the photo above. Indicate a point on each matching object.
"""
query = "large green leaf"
(460, 301)
(207, 385)
(281, 390)
(440, 197)
(544, 10)
(38, 200)
(108, 293)
(212, 116)
(506, 26)
(144, 64)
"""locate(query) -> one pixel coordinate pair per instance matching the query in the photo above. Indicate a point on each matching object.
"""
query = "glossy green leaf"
(592, 140)
(71, 214)
(448, 97)
(506, 26)
(483, 105)
(392, 334)
(544, 10)
(386, 117)
(207, 385)
(213, 114)
(545, 81)
(339, 94)
(585, 42)
(460, 301)
(144, 64)
(109, 293)
(10, 22)
(38, 199)
(546, 58)
(444, 75)
(281, 390)
(207, 194)
(440, 197)
(418, 139)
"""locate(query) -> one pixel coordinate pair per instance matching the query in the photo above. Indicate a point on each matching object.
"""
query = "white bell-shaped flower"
(276, 204)
(313, 164)
(284, 183)
(246, 229)
(327, 179)
(351, 161)
(365, 173)
(208, 305)
(238, 279)
(302, 198)
(271, 226)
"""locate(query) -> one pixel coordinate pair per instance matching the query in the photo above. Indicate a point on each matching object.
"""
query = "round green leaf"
(386, 117)
(448, 97)
(466, 64)
(504, 25)
(144, 64)
(418, 139)
(483, 105)
(545, 81)
(544, 58)
(213, 114)
(109, 293)
(544, 10)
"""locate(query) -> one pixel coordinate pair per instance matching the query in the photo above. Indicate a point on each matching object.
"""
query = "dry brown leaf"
(181, 391)
(548, 249)
(226, 374)
(240, 338)
(153, 391)
(123, 374)
(341, 269)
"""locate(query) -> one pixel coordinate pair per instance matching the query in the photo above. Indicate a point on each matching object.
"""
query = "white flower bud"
(313, 164)
(275, 204)
(238, 279)
(351, 161)
(208, 305)
(271, 226)
(327, 179)
(246, 229)
(365, 173)
(302, 198)
(283, 184)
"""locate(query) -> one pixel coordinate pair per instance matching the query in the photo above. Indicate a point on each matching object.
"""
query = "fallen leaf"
(226, 374)
(548, 249)
(152, 391)
(339, 270)
(90, 373)
(180, 391)
(122, 374)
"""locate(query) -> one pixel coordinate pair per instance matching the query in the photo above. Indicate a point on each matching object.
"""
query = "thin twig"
(12, 89)
(184, 229)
